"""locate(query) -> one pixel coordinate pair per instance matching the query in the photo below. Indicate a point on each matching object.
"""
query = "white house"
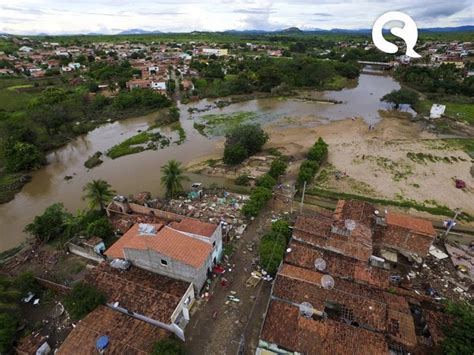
(25, 49)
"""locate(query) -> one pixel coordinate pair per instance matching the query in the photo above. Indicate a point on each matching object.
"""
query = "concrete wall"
(151, 260)
(84, 252)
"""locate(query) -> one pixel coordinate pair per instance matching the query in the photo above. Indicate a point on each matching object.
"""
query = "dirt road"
(221, 327)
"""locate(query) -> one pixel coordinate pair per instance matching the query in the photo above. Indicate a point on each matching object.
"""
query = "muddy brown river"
(141, 172)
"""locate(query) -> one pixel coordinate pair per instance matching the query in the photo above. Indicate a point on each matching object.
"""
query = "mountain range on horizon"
(294, 30)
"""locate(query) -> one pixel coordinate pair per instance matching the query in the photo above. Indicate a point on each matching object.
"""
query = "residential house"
(168, 244)
(329, 297)
(218, 52)
(124, 334)
(155, 299)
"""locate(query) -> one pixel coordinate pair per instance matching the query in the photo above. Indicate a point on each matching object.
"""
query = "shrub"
(307, 171)
(458, 335)
(277, 168)
(266, 181)
(272, 251)
(319, 151)
(258, 198)
(234, 154)
(242, 180)
(83, 299)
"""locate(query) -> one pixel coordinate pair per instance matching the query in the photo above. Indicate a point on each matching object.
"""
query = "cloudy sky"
(112, 16)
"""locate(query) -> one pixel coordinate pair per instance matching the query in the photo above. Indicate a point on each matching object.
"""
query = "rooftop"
(140, 291)
(304, 255)
(127, 335)
(418, 225)
(317, 336)
(166, 241)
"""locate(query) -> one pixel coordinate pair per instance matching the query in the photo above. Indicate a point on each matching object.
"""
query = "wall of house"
(85, 252)
(151, 260)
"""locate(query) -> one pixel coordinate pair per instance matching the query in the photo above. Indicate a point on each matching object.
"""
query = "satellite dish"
(350, 224)
(320, 264)
(327, 282)
(306, 309)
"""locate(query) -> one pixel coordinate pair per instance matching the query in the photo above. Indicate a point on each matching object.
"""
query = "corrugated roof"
(408, 222)
(194, 226)
(167, 241)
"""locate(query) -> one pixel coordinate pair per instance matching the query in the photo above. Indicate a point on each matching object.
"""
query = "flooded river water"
(141, 172)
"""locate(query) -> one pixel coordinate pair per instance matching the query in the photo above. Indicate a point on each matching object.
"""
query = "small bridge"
(376, 64)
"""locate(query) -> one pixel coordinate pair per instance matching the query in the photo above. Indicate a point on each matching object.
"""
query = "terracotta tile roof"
(304, 255)
(30, 344)
(326, 233)
(417, 225)
(285, 327)
(359, 211)
(127, 335)
(194, 226)
(166, 241)
(156, 298)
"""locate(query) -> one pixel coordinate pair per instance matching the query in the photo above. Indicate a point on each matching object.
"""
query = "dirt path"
(220, 328)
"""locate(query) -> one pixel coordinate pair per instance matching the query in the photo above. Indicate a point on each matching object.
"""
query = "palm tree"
(172, 177)
(98, 193)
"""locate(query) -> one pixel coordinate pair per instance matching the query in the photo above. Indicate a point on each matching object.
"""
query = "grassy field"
(138, 143)
(459, 111)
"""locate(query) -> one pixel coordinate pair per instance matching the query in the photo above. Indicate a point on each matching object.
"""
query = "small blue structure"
(102, 342)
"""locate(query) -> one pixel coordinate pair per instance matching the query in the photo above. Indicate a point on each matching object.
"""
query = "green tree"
(98, 193)
(277, 168)
(20, 156)
(400, 97)
(459, 335)
(50, 225)
(242, 142)
(9, 297)
(172, 177)
(101, 228)
(266, 181)
(83, 299)
(168, 346)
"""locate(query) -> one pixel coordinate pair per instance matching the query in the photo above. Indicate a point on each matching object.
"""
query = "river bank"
(293, 125)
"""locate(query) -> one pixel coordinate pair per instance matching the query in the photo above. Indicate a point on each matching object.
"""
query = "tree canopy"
(242, 142)
(401, 97)
(98, 193)
(172, 177)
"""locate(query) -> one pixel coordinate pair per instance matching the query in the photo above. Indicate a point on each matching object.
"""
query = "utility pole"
(451, 223)
(302, 197)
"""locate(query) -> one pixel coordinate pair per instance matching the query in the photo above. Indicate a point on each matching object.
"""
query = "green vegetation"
(138, 143)
(266, 181)
(93, 161)
(168, 346)
(219, 124)
(50, 225)
(10, 184)
(401, 97)
(98, 193)
(172, 178)
(242, 180)
(11, 292)
(242, 142)
(459, 338)
(273, 245)
(201, 128)
(278, 167)
(83, 299)
(423, 158)
(466, 144)
(316, 157)
(258, 198)
(56, 225)
(424, 207)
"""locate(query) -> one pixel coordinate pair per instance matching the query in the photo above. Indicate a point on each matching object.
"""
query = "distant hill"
(137, 31)
(291, 30)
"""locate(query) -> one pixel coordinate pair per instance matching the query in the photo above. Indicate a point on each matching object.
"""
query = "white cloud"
(111, 16)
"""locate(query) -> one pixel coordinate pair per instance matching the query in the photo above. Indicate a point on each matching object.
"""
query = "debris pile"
(446, 273)
(221, 207)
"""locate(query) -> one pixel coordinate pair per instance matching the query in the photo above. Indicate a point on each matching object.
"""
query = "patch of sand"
(379, 159)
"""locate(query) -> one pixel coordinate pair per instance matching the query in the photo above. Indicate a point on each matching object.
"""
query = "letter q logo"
(409, 33)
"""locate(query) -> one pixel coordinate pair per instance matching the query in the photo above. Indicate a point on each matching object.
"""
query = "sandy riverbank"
(381, 162)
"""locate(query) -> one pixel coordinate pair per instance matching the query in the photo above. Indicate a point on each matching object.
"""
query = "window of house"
(214, 243)
(164, 262)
